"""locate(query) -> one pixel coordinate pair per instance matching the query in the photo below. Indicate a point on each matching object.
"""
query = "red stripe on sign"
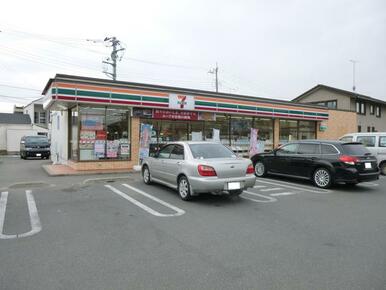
(155, 105)
(65, 98)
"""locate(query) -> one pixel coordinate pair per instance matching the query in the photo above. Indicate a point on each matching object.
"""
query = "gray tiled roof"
(6, 118)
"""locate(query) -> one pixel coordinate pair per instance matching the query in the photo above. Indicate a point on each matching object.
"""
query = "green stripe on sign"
(265, 109)
(157, 100)
(322, 114)
(295, 112)
(310, 114)
(53, 90)
(93, 94)
(227, 106)
(200, 103)
(247, 108)
(66, 92)
(281, 111)
(126, 97)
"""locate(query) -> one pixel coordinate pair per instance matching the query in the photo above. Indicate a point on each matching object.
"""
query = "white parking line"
(33, 214)
(271, 189)
(264, 200)
(369, 184)
(282, 193)
(293, 186)
(145, 207)
(259, 186)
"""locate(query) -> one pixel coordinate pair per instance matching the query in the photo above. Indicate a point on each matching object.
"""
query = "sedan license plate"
(234, 185)
(38, 154)
(368, 165)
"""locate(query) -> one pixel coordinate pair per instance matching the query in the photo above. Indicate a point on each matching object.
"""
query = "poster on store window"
(144, 141)
(197, 136)
(112, 149)
(99, 148)
(92, 122)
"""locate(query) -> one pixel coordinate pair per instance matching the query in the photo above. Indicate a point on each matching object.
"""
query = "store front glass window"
(222, 125)
(265, 132)
(74, 133)
(171, 131)
(288, 131)
(196, 131)
(307, 130)
(104, 134)
(241, 131)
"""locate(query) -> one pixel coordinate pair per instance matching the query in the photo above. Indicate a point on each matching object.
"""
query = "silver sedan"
(196, 167)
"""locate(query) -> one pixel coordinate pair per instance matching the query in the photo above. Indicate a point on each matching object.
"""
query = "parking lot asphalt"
(84, 232)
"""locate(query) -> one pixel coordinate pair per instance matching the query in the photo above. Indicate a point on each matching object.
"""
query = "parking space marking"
(33, 214)
(369, 184)
(178, 211)
(292, 186)
(259, 186)
(264, 200)
(270, 189)
(282, 193)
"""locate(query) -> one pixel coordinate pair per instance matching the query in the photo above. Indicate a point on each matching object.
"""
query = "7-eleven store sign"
(181, 102)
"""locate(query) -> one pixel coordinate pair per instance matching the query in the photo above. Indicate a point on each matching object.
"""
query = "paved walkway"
(61, 170)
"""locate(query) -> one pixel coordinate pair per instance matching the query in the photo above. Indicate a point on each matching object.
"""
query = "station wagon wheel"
(184, 188)
(260, 169)
(382, 167)
(146, 175)
(322, 178)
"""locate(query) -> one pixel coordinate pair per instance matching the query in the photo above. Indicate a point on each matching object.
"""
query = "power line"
(22, 88)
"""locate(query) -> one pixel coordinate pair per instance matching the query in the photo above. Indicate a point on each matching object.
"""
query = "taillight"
(205, 170)
(250, 169)
(351, 160)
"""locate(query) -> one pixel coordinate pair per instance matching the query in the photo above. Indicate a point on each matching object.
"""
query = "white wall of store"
(59, 137)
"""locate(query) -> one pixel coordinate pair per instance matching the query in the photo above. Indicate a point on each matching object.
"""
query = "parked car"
(323, 162)
(34, 146)
(196, 167)
(375, 142)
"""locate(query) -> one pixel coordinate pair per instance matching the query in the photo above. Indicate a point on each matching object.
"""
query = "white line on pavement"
(271, 189)
(292, 186)
(143, 206)
(33, 214)
(264, 200)
(282, 193)
(259, 186)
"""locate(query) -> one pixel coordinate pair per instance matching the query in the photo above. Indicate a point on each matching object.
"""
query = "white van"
(375, 142)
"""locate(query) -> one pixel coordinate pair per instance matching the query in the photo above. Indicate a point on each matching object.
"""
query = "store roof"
(343, 92)
(7, 118)
(169, 89)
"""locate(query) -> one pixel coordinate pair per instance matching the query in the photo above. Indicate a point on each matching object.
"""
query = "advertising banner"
(175, 115)
(253, 150)
(92, 122)
(144, 141)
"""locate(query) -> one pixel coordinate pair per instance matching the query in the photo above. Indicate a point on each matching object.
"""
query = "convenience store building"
(95, 123)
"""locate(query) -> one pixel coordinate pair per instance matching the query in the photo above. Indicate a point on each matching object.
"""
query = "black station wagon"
(323, 162)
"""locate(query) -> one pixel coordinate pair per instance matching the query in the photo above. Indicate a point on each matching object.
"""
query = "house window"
(373, 129)
(371, 109)
(368, 129)
(42, 117)
(36, 117)
(359, 128)
(361, 108)
(331, 104)
(378, 111)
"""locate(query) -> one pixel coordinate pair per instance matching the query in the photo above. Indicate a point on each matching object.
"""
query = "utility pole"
(112, 60)
(215, 72)
(353, 73)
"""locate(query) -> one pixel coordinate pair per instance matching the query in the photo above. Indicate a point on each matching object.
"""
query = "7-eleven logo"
(181, 100)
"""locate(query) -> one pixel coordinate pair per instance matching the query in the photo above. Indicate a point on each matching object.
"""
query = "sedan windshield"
(207, 151)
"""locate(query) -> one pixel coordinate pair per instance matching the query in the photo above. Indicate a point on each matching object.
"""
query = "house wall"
(369, 120)
(343, 101)
(338, 124)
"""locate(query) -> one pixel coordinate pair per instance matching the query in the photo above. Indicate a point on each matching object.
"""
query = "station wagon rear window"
(355, 149)
(207, 151)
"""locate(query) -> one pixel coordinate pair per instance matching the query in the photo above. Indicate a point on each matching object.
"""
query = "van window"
(382, 141)
(346, 139)
(368, 141)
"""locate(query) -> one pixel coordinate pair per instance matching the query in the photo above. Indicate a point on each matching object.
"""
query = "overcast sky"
(274, 49)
